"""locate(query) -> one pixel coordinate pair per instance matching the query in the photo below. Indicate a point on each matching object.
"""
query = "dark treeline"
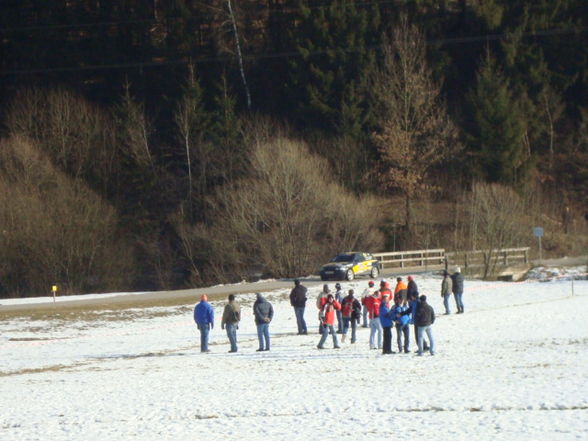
(187, 142)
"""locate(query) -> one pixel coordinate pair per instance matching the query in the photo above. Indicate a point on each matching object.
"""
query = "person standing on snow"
(401, 322)
(320, 302)
(264, 313)
(385, 289)
(327, 318)
(230, 321)
(400, 291)
(411, 290)
(351, 310)
(298, 302)
(367, 293)
(386, 321)
(339, 298)
(457, 289)
(423, 319)
(446, 289)
(413, 304)
(373, 305)
(204, 318)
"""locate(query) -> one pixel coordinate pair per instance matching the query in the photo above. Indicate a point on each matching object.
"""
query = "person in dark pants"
(457, 289)
(230, 321)
(204, 318)
(339, 296)
(298, 302)
(412, 289)
(386, 321)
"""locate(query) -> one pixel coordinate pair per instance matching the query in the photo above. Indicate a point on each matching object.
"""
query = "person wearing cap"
(339, 298)
(298, 302)
(367, 293)
(457, 289)
(372, 303)
(264, 313)
(424, 317)
(446, 289)
(386, 321)
(204, 318)
(385, 289)
(230, 321)
(327, 319)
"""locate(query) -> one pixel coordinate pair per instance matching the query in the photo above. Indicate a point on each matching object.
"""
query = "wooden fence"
(488, 258)
(439, 259)
(428, 259)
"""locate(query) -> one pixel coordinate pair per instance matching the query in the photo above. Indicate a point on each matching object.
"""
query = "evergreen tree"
(496, 128)
(334, 42)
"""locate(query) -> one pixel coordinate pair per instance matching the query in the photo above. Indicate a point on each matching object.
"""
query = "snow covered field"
(513, 367)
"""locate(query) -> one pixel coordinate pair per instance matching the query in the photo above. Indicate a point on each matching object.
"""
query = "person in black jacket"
(424, 317)
(298, 302)
(412, 289)
(457, 289)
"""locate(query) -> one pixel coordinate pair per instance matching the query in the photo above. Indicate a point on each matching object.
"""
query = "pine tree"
(496, 128)
(334, 42)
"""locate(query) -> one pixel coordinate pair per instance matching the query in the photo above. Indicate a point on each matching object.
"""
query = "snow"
(513, 367)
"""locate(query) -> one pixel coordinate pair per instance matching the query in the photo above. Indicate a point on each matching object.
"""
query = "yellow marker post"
(54, 290)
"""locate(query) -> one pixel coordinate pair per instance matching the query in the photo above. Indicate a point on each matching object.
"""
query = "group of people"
(380, 309)
(384, 309)
(263, 312)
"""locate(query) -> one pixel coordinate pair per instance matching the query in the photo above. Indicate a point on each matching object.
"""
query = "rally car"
(346, 266)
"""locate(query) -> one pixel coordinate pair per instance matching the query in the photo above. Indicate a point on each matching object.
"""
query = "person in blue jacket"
(386, 321)
(204, 318)
(402, 324)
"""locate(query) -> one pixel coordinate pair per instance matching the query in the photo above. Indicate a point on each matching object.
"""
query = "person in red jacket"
(372, 303)
(327, 317)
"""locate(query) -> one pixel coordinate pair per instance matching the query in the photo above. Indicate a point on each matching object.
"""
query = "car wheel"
(323, 278)
(349, 275)
(375, 272)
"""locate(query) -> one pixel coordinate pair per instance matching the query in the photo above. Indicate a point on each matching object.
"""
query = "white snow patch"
(513, 367)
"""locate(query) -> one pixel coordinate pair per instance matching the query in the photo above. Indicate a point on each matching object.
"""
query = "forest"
(156, 145)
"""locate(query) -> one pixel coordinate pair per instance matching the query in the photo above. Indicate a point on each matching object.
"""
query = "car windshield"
(343, 258)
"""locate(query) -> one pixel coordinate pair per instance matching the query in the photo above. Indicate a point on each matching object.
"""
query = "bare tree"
(415, 132)
(77, 135)
(284, 218)
(496, 217)
(55, 229)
